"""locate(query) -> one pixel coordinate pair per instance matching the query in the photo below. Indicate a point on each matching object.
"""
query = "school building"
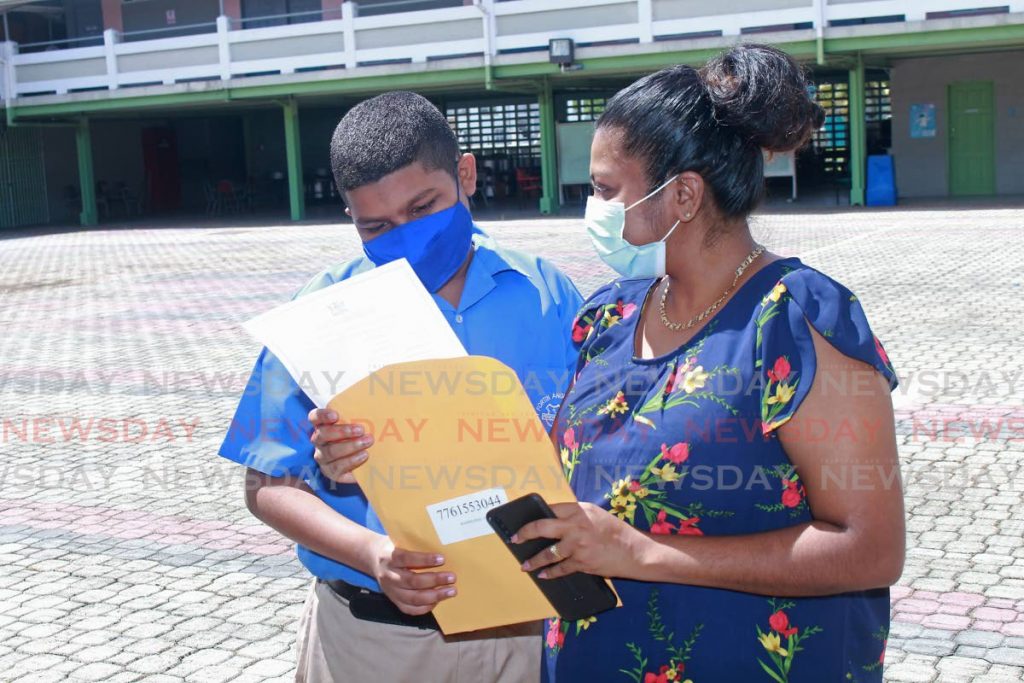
(118, 108)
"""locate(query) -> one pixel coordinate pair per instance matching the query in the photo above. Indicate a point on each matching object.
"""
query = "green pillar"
(548, 151)
(86, 178)
(293, 153)
(858, 135)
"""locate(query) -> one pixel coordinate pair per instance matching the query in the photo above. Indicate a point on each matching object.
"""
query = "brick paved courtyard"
(126, 552)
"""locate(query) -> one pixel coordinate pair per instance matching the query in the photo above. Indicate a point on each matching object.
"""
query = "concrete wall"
(425, 33)
(922, 163)
(577, 18)
(272, 48)
(672, 9)
(54, 71)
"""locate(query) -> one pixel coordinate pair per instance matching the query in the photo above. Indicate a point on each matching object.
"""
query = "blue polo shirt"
(515, 308)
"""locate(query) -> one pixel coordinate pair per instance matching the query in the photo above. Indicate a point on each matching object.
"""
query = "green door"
(972, 167)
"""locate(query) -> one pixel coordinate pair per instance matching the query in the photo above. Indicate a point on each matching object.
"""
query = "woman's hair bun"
(763, 93)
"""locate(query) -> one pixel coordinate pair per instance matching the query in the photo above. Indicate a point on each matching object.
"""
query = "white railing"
(485, 28)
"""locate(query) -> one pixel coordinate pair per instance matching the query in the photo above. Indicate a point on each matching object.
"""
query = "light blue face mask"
(605, 222)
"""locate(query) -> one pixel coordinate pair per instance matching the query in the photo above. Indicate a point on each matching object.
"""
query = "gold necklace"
(676, 327)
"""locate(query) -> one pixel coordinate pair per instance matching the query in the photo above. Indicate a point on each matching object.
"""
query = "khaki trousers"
(335, 647)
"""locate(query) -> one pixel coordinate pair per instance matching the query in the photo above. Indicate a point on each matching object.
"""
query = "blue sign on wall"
(922, 120)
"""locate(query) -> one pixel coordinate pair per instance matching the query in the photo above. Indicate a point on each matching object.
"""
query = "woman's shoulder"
(609, 304)
(803, 299)
(829, 306)
(814, 291)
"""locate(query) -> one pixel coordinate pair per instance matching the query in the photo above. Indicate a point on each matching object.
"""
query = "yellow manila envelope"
(452, 439)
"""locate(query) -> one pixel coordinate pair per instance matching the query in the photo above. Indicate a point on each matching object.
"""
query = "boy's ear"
(467, 174)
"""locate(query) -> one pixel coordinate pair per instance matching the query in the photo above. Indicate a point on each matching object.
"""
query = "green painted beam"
(549, 201)
(636, 63)
(414, 80)
(121, 103)
(858, 135)
(293, 154)
(86, 178)
(983, 37)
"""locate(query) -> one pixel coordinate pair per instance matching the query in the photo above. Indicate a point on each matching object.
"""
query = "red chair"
(228, 196)
(528, 183)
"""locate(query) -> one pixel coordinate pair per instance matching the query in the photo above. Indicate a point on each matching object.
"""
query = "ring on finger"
(554, 551)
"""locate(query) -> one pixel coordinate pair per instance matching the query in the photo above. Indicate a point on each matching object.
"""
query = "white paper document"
(331, 338)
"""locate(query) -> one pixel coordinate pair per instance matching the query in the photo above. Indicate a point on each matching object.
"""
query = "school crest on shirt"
(547, 408)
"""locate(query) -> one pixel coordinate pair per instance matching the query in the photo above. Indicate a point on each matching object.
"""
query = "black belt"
(369, 605)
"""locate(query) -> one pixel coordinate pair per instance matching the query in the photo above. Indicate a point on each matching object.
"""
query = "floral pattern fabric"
(685, 444)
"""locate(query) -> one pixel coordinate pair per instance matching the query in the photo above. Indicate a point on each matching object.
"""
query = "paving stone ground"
(126, 552)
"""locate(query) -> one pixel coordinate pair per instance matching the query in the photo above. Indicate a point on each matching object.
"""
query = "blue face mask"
(436, 246)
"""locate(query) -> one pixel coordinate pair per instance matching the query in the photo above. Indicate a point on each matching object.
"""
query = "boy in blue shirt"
(396, 162)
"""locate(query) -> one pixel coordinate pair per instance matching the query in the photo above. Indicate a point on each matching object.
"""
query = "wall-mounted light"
(560, 50)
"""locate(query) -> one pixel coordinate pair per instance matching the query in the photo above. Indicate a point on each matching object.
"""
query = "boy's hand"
(340, 447)
(414, 592)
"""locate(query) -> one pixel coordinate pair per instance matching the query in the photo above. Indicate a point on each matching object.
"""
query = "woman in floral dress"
(734, 453)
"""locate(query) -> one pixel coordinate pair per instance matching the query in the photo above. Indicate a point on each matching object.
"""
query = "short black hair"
(380, 135)
(716, 120)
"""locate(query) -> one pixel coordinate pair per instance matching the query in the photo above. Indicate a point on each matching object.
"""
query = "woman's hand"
(587, 539)
(414, 592)
(340, 447)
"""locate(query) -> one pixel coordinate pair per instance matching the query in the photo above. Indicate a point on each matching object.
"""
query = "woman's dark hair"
(715, 121)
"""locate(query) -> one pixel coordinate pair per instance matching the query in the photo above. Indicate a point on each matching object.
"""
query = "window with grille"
(499, 130)
(584, 109)
(832, 140)
(878, 115)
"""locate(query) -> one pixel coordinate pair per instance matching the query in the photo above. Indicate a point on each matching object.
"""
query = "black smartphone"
(575, 596)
